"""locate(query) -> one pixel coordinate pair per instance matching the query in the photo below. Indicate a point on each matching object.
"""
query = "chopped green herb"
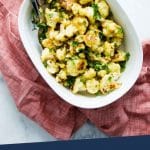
(98, 66)
(42, 30)
(35, 20)
(87, 53)
(45, 64)
(110, 15)
(97, 15)
(53, 3)
(34, 17)
(61, 13)
(42, 36)
(69, 82)
(101, 36)
(82, 79)
(110, 79)
(122, 65)
(120, 30)
(97, 94)
(42, 25)
(81, 50)
(74, 58)
(75, 43)
(127, 56)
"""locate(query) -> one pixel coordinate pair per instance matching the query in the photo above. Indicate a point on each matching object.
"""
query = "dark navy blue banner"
(134, 143)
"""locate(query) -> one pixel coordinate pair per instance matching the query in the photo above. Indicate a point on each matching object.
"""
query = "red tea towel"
(127, 117)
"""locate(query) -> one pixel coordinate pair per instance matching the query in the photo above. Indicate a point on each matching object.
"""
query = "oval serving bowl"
(128, 78)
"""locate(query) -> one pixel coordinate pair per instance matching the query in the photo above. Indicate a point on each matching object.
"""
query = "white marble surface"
(16, 128)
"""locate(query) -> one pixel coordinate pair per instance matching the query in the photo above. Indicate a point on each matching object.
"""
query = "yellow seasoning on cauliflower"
(82, 45)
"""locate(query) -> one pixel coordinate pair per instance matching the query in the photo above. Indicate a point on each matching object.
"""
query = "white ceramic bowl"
(128, 78)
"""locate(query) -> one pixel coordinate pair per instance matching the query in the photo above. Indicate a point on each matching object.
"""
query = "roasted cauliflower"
(82, 45)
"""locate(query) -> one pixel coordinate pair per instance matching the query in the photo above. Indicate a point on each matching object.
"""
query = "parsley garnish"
(42, 30)
(122, 65)
(42, 25)
(69, 82)
(110, 79)
(53, 3)
(101, 36)
(98, 66)
(75, 43)
(127, 56)
(97, 15)
(45, 64)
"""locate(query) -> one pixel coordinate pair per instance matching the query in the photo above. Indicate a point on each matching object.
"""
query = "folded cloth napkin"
(127, 117)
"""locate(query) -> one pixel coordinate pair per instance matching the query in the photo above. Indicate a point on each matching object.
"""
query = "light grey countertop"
(16, 128)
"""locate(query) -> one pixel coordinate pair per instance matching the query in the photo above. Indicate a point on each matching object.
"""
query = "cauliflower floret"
(51, 41)
(76, 8)
(111, 29)
(47, 55)
(79, 86)
(60, 54)
(81, 24)
(66, 31)
(89, 13)
(79, 38)
(57, 43)
(115, 76)
(109, 83)
(114, 68)
(64, 24)
(97, 57)
(92, 39)
(117, 42)
(71, 30)
(121, 56)
(61, 65)
(61, 34)
(85, 12)
(69, 55)
(92, 86)
(67, 4)
(49, 1)
(51, 33)
(83, 2)
(48, 43)
(109, 49)
(76, 66)
(102, 73)
(52, 67)
(61, 37)
(52, 17)
(61, 76)
(82, 55)
(103, 8)
(89, 74)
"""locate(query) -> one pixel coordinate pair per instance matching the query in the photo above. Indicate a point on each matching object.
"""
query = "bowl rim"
(65, 97)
